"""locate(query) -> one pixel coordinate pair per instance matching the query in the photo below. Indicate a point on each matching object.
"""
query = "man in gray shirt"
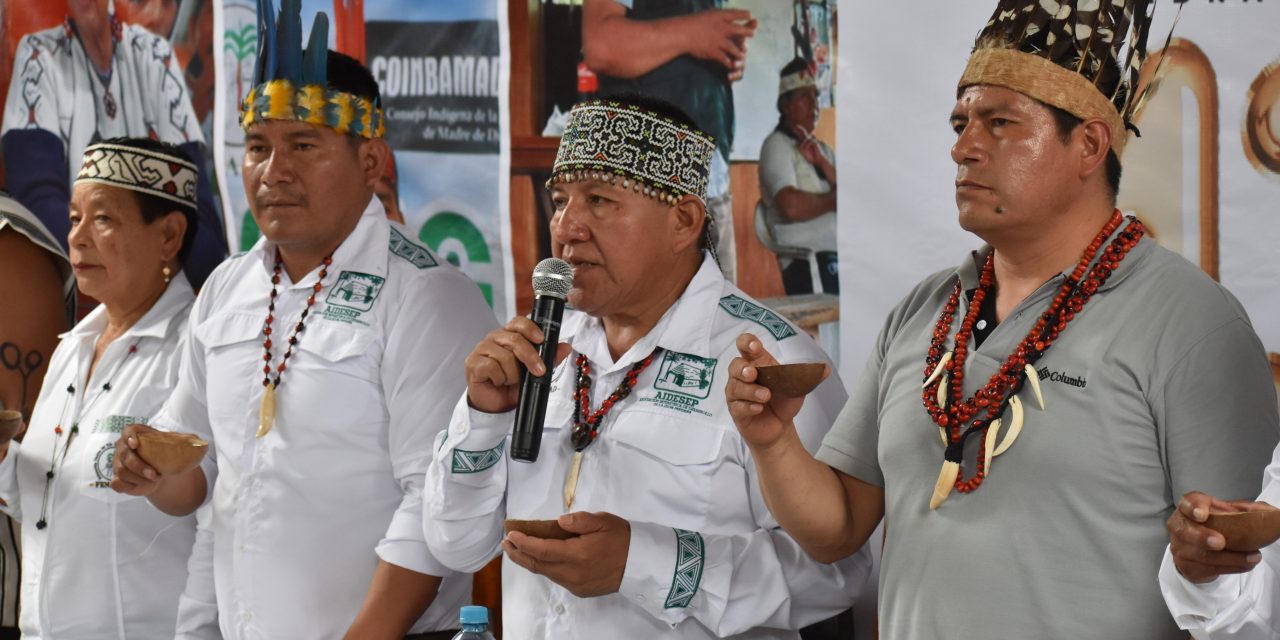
(1136, 376)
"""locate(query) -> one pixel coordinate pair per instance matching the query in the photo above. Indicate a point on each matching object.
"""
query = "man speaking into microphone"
(639, 461)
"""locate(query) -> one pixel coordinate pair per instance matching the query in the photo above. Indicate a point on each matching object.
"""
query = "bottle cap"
(474, 615)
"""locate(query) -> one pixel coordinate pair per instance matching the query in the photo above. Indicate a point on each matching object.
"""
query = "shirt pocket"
(95, 470)
(675, 464)
(334, 383)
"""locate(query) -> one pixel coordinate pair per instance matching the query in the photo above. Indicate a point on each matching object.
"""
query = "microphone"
(552, 280)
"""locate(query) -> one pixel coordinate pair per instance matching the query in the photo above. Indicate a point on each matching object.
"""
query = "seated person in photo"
(798, 183)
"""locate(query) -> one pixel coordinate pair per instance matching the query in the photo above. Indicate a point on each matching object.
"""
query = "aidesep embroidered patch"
(747, 310)
(355, 290)
(416, 255)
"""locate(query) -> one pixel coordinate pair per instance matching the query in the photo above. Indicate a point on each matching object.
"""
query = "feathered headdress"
(290, 82)
(1070, 54)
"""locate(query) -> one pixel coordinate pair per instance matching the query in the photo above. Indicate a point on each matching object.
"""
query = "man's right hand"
(1198, 551)
(130, 474)
(494, 368)
(720, 35)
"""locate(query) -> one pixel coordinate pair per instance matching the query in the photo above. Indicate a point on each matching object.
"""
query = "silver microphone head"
(552, 277)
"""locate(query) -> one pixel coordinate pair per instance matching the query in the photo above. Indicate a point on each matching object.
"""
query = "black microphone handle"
(531, 408)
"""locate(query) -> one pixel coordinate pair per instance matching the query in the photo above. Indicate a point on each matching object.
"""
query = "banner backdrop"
(1204, 177)
(438, 65)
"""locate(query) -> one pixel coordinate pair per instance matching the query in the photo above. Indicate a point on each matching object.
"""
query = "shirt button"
(640, 598)
(560, 609)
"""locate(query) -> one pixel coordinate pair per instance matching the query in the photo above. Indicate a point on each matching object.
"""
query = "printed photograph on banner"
(77, 73)
(437, 68)
(770, 106)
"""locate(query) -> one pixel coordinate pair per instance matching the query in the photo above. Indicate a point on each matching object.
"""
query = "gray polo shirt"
(1159, 387)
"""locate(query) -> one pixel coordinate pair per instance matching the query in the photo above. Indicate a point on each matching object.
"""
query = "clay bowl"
(1247, 530)
(538, 529)
(171, 453)
(10, 424)
(790, 380)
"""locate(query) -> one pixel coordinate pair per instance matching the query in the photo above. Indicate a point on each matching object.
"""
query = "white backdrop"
(898, 69)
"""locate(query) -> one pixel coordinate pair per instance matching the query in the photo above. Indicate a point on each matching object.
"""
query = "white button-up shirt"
(301, 516)
(1233, 607)
(107, 565)
(707, 559)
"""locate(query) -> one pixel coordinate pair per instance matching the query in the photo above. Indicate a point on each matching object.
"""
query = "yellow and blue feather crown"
(291, 83)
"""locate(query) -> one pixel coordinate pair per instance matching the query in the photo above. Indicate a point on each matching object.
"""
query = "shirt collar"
(970, 270)
(155, 323)
(685, 326)
(365, 249)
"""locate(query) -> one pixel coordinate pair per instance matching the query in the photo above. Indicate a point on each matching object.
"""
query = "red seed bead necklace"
(586, 424)
(994, 397)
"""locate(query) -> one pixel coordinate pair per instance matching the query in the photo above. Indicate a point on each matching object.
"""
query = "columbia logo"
(1064, 378)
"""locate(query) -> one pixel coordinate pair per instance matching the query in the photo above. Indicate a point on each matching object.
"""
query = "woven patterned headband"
(159, 174)
(797, 80)
(617, 142)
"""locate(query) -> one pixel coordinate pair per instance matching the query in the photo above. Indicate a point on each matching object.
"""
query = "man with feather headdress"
(316, 366)
(1136, 376)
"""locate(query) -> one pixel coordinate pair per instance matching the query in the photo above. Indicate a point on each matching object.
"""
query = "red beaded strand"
(586, 424)
(297, 329)
(993, 397)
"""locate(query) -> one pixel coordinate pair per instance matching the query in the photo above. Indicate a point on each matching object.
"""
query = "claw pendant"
(937, 371)
(946, 482)
(1034, 379)
(989, 443)
(1015, 427)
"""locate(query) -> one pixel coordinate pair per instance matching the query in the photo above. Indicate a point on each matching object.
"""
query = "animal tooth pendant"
(946, 482)
(1015, 426)
(942, 391)
(267, 410)
(1034, 379)
(937, 371)
(989, 443)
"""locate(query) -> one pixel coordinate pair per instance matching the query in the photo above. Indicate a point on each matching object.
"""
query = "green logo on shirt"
(355, 290)
(685, 374)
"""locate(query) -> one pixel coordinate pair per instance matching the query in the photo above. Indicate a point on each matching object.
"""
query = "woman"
(96, 563)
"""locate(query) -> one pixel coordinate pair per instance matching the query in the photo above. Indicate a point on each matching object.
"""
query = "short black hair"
(1066, 123)
(154, 207)
(346, 74)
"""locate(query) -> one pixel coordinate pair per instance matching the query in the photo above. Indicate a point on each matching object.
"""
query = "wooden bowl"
(790, 380)
(1247, 530)
(10, 424)
(171, 453)
(538, 529)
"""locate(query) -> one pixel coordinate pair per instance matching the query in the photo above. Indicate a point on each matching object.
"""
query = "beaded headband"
(290, 82)
(158, 174)
(1060, 52)
(646, 152)
(797, 80)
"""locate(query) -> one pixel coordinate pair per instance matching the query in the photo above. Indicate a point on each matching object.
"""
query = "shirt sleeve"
(733, 583)
(422, 373)
(467, 488)
(777, 166)
(198, 605)
(187, 409)
(1233, 607)
(1216, 412)
(9, 482)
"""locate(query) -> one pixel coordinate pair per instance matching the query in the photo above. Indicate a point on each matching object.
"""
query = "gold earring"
(167, 273)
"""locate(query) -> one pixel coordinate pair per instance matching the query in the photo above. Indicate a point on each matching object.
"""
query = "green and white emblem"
(355, 290)
(685, 374)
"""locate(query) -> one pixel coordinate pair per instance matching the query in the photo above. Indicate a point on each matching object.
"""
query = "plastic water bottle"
(475, 624)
